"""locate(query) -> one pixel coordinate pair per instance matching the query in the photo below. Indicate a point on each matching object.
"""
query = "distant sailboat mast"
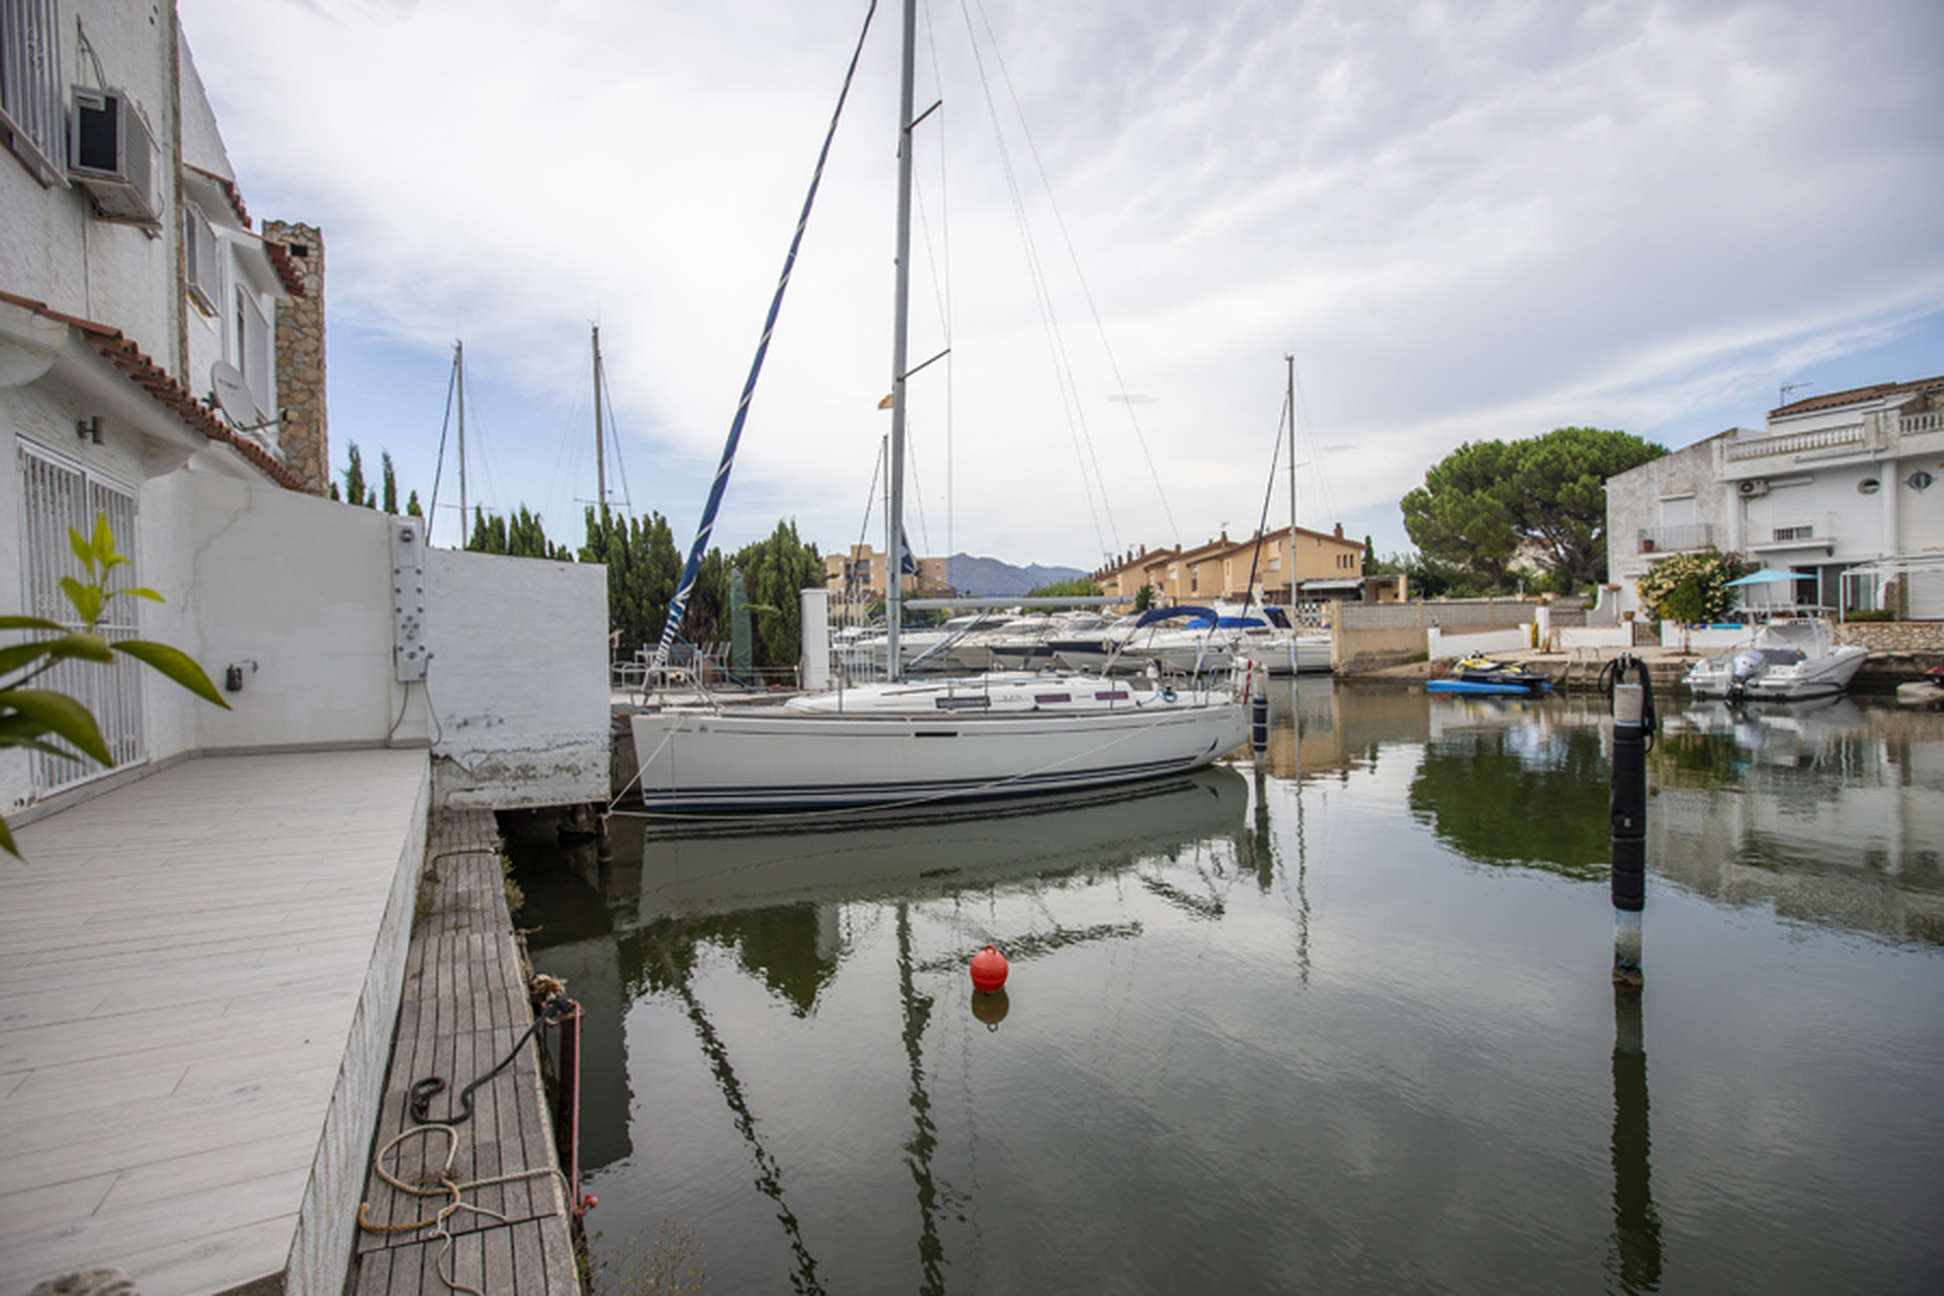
(600, 450)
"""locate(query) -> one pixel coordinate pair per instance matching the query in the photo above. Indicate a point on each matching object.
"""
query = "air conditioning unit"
(1753, 487)
(112, 155)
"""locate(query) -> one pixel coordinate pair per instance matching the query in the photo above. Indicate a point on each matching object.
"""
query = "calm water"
(1346, 1025)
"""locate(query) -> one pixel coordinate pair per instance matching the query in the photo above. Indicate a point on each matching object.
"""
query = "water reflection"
(1249, 1032)
(1830, 813)
(1635, 1259)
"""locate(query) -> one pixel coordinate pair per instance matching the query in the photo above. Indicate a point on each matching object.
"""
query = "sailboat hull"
(780, 759)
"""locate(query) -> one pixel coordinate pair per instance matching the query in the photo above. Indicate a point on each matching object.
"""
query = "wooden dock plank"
(463, 1010)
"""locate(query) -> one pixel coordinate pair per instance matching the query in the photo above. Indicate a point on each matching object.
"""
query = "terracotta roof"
(160, 384)
(230, 192)
(1854, 396)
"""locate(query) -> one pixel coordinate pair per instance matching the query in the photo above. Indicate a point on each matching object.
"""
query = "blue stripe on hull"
(704, 801)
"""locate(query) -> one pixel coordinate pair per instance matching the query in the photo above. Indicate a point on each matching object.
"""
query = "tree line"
(1493, 514)
(643, 567)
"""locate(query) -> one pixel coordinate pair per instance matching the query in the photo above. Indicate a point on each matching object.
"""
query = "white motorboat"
(1096, 649)
(910, 743)
(1787, 659)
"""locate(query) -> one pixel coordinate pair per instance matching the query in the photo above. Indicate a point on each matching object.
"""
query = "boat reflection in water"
(1299, 1020)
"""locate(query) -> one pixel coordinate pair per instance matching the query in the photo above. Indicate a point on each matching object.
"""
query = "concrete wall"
(52, 247)
(297, 591)
(519, 677)
(1441, 646)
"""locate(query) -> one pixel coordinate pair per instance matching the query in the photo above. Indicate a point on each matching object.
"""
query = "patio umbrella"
(1768, 576)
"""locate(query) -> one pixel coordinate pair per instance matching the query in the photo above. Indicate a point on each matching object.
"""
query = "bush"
(1874, 614)
(1698, 580)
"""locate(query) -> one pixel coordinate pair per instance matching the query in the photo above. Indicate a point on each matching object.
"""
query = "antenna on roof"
(1789, 387)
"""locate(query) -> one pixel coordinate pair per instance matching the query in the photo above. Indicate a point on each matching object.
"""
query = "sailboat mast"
(900, 319)
(600, 452)
(1289, 398)
(459, 363)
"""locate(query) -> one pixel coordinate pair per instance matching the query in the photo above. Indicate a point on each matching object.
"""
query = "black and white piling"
(1633, 734)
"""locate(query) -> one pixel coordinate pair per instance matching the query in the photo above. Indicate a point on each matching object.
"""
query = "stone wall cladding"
(305, 437)
(1894, 636)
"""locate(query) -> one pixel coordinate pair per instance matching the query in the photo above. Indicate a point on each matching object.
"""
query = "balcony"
(1799, 442)
(1674, 539)
(1916, 424)
(1801, 535)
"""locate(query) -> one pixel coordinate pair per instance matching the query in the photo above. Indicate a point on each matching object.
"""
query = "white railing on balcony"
(1928, 421)
(1669, 539)
(1797, 442)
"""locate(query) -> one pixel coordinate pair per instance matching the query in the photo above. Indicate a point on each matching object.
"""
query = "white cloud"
(1463, 220)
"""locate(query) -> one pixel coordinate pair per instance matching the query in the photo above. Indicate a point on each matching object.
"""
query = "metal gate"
(56, 495)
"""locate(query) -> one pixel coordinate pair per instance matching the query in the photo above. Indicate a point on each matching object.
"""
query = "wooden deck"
(464, 1008)
(200, 970)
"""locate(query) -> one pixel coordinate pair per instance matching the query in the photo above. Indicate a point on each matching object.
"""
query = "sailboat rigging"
(902, 744)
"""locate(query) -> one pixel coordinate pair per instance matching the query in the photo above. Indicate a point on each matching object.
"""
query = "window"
(199, 254)
(1795, 533)
(1869, 486)
(252, 343)
(33, 117)
(1275, 563)
(56, 495)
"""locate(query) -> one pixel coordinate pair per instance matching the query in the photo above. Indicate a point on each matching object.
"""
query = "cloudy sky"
(1463, 220)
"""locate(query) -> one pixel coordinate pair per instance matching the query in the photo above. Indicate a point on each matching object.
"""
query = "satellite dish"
(232, 393)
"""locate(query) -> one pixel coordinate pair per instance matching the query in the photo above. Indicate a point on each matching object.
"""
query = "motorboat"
(1788, 659)
(1095, 649)
(1926, 692)
(1483, 675)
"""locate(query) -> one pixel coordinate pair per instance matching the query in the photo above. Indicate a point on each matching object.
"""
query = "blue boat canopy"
(1170, 613)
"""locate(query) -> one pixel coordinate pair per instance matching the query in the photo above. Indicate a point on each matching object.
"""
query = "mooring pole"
(1633, 729)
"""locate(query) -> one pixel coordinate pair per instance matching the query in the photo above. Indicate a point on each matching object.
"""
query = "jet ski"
(1482, 675)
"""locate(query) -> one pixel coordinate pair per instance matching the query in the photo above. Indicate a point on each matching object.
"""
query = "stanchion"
(1633, 734)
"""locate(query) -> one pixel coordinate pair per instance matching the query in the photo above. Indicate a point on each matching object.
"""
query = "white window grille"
(31, 99)
(199, 252)
(54, 496)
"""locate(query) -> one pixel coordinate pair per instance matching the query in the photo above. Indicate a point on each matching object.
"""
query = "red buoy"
(988, 970)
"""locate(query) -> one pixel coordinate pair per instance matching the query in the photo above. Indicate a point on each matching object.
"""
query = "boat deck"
(203, 969)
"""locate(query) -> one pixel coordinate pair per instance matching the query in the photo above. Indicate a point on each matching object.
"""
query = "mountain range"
(989, 576)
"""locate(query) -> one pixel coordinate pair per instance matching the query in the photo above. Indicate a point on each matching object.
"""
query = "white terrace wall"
(519, 677)
(297, 590)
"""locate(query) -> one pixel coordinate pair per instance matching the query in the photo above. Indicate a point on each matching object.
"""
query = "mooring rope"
(418, 1101)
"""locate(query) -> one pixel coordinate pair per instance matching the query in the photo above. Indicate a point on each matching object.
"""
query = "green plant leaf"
(63, 716)
(140, 591)
(84, 644)
(104, 541)
(18, 655)
(23, 731)
(176, 664)
(81, 550)
(29, 623)
(85, 598)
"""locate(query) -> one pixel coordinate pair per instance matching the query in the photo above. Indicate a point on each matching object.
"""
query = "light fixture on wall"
(89, 429)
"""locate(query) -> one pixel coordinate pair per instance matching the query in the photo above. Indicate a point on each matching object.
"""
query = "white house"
(134, 285)
(1830, 484)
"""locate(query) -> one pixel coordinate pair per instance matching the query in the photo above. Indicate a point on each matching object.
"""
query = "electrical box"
(409, 654)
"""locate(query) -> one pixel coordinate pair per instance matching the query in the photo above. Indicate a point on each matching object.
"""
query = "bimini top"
(1207, 615)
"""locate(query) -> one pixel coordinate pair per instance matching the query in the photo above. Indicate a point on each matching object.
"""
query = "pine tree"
(354, 478)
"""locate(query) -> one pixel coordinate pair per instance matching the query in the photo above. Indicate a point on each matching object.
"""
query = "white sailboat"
(903, 744)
